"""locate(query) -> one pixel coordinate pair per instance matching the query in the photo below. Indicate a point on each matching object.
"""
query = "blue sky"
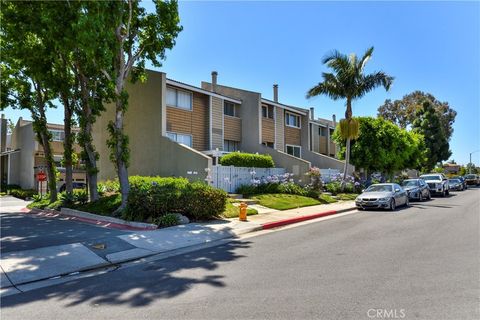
(428, 46)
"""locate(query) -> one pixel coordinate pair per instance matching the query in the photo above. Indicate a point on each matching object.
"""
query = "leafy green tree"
(140, 37)
(428, 123)
(403, 112)
(349, 81)
(383, 147)
(28, 72)
(462, 171)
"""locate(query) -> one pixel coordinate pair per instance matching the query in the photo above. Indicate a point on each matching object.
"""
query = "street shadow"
(140, 285)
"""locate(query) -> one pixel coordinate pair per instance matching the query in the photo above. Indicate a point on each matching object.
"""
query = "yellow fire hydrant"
(243, 212)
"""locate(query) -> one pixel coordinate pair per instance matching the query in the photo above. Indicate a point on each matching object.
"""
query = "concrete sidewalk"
(42, 263)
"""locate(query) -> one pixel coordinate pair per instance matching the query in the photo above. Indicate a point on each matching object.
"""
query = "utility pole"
(470, 167)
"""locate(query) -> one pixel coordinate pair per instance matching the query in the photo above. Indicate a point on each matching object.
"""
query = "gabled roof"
(323, 122)
(286, 107)
(200, 90)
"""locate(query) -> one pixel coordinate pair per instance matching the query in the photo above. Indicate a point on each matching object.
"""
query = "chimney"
(312, 113)
(214, 81)
(275, 92)
(334, 118)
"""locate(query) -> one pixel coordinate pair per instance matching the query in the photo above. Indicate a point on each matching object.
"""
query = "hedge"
(22, 194)
(153, 197)
(238, 159)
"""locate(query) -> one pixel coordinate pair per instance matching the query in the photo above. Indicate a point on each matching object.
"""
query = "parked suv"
(472, 179)
(437, 183)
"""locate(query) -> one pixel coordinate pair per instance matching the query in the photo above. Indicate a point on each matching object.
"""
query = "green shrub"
(23, 194)
(108, 186)
(273, 187)
(333, 187)
(13, 187)
(325, 199)
(153, 197)
(80, 196)
(67, 198)
(238, 159)
(40, 204)
(167, 220)
(204, 202)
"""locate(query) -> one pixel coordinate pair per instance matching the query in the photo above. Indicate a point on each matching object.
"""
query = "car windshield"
(410, 183)
(470, 176)
(437, 178)
(380, 188)
(454, 180)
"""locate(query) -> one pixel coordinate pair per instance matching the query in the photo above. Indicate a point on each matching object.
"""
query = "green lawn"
(347, 196)
(232, 211)
(326, 199)
(280, 201)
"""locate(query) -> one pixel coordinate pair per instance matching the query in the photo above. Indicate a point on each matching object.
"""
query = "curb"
(284, 222)
(90, 218)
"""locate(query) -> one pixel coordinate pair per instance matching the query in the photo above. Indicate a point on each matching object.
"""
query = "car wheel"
(393, 206)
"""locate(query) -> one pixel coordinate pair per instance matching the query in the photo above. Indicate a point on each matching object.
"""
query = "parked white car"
(437, 183)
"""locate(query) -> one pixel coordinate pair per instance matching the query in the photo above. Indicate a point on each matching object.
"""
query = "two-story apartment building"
(283, 128)
(177, 129)
(23, 157)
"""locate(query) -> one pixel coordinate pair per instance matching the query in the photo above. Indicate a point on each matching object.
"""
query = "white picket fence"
(327, 174)
(230, 178)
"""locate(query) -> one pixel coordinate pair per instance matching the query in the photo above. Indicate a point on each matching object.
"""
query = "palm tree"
(348, 81)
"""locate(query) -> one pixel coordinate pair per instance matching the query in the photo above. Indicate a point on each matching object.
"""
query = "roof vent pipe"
(334, 118)
(312, 113)
(275, 92)
(214, 81)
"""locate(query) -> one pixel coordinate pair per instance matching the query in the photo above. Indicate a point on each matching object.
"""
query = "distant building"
(451, 168)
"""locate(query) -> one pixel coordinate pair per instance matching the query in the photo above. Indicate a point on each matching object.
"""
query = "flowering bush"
(334, 186)
(272, 184)
(316, 181)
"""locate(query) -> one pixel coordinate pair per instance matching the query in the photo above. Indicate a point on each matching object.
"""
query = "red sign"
(41, 176)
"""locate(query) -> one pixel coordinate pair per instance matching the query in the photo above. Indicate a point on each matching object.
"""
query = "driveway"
(21, 231)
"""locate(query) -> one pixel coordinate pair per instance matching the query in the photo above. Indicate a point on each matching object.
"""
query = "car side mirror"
(397, 190)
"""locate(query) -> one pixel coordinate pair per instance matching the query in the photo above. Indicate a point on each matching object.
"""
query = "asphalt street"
(20, 231)
(421, 262)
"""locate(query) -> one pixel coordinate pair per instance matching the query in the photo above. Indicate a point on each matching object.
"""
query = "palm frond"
(336, 60)
(371, 81)
(366, 56)
(326, 88)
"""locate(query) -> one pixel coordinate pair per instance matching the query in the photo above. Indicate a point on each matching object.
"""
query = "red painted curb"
(275, 224)
(100, 223)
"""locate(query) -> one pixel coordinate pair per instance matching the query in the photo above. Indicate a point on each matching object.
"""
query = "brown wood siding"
(268, 130)
(194, 122)
(292, 136)
(233, 128)
(323, 144)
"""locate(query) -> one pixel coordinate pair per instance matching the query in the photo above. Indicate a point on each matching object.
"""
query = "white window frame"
(293, 146)
(180, 134)
(234, 109)
(295, 115)
(176, 99)
(53, 131)
(235, 142)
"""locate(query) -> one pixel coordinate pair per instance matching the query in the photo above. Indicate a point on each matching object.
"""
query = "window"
(185, 139)
(267, 111)
(294, 150)
(57, 135)
(292, 120)
(179, 99)
(268, 144)
(229, 109)
(322, 131)
(230, 145)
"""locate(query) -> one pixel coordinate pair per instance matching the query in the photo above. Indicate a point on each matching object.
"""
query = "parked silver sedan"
(382, 196)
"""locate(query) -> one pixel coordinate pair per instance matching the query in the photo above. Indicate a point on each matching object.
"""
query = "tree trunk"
(348, 116)
(120, 151)
(51, 170)
(89, 153)
(68, 145)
